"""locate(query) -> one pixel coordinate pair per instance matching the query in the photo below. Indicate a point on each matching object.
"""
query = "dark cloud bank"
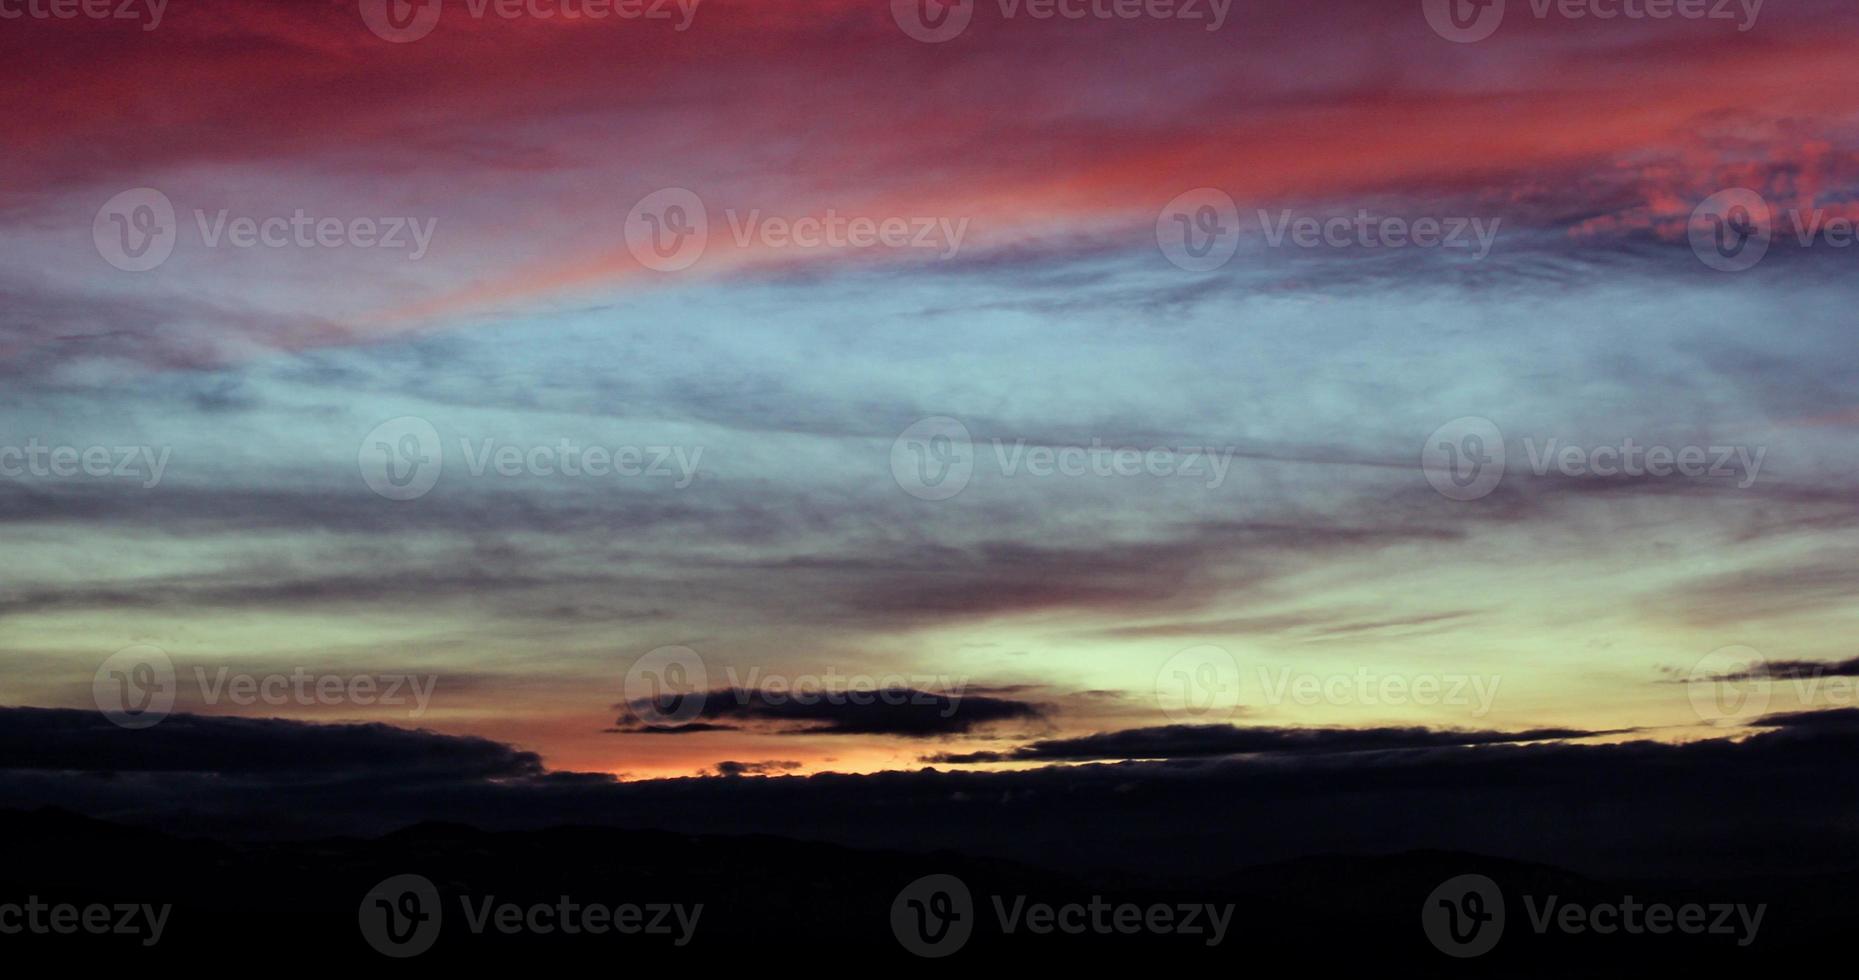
(1212, 741)
(1775, 801)
(897, 711)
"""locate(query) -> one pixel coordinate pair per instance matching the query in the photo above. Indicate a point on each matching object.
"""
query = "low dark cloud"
(1628, 806)
(1826, 720)
(1208, 741)
(86, 741)
(904, 712)
(1783, 670)
(770, 768)
(691, 728)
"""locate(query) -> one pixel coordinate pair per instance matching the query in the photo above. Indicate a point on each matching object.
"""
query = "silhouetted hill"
(768, 896)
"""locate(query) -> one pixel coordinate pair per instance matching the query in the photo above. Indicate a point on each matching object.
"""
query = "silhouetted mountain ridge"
(762, 891)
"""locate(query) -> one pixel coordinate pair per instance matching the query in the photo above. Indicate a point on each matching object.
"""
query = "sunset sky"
(1039, 166)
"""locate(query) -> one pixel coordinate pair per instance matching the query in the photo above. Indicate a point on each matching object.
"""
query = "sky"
(1096, 388)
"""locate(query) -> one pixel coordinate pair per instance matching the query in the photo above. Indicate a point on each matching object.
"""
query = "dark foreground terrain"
(513, 897)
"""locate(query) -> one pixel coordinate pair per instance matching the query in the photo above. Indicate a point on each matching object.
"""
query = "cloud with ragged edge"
(1774, 670)
(773, 767)
(1214, 741)
(82, 741)
(902, 712)
(1199, 814)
